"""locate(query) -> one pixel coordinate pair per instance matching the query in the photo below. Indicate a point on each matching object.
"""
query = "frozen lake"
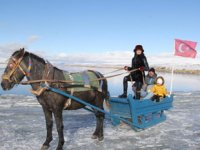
(22, 127)
(22, 124)
(181, 82)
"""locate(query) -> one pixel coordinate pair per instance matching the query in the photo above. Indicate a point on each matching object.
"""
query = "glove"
(125, 67)
(141, 68)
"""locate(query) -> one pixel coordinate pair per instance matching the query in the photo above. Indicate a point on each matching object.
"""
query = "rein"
(65, 81)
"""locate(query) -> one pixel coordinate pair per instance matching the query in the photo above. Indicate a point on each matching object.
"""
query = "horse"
(23, 64)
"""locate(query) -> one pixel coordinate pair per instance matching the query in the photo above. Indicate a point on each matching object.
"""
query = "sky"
(61, 28)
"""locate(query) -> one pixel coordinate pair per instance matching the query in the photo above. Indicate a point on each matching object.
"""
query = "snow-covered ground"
(22, 127)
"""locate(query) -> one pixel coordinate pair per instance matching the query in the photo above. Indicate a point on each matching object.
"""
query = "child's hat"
(160, 80)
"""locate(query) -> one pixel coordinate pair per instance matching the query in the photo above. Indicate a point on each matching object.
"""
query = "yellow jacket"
(159, 90)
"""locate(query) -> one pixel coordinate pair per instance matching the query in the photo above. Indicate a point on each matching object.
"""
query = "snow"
(113, 58)
(22, 127)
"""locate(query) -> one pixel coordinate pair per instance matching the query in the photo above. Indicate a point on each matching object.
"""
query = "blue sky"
(89, 26)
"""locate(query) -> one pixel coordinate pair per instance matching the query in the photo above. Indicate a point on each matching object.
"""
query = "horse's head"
(14, 71)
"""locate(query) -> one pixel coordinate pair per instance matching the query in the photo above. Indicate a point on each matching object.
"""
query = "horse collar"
(28, 70)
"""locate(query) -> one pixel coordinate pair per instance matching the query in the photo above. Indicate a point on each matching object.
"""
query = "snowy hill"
(118, 58)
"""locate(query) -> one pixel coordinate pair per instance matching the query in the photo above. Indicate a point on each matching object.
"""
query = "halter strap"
(17, 64)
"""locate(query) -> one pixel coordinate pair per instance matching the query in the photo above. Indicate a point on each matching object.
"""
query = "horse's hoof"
(94, 137)
(100, 138)
(44, 147)
(59, 148)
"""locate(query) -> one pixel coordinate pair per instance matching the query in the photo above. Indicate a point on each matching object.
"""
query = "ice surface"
(22, 127)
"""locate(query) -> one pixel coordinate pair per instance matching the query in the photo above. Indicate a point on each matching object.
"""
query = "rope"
(114, 71)
(93, 66)
(106, 67)
(67, 81)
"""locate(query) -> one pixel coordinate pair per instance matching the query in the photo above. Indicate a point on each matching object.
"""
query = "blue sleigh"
(140, 113)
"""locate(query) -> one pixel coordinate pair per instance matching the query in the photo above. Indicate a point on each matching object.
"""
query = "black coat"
(137, 62)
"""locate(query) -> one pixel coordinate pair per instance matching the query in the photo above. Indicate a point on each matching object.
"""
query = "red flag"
(185, 48)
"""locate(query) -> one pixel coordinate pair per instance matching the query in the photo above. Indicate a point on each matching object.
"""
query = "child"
(159, 90)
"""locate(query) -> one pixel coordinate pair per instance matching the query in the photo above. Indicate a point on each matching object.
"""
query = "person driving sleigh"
(139, 62)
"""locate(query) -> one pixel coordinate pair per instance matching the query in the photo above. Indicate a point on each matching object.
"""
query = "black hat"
(138, 47)
(152, 69)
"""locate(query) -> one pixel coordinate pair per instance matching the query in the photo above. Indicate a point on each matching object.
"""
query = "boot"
(137, 95)
(124, 95)
(125, 87)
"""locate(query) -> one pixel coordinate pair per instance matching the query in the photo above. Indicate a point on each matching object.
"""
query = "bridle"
(18, 64)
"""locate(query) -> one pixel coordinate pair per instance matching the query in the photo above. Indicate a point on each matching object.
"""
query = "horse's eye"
(11, 65)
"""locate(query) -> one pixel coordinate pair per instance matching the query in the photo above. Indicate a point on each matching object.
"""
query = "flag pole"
(172, 80)
(172, 74)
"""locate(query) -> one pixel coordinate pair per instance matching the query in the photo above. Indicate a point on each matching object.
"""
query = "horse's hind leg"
(99, 127)
(49, 125)
(98, 134)
(59, 124)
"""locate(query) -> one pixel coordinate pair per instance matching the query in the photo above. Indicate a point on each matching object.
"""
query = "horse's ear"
(21, 51)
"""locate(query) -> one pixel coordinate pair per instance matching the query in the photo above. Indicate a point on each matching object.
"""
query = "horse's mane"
(41, 60)
(32, 55)
(15, 53)
(37, 57)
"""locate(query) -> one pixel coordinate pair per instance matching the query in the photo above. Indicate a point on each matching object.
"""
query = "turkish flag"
(185, 48)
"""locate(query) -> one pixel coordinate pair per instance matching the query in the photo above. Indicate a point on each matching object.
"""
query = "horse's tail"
(104, 88)
(106, 103)
(106, 94)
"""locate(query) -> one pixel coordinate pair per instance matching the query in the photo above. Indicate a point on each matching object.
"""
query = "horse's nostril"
(2, 85)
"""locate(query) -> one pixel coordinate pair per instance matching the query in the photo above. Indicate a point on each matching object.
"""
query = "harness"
(48, 74)
(85, 82)
(18, 64)
(77, 81)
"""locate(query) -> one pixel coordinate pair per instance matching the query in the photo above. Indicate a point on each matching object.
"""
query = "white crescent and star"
(180, 48)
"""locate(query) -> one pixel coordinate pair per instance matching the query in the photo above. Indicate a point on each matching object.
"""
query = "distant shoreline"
(178, 71)
(118, 67)
(157, 68)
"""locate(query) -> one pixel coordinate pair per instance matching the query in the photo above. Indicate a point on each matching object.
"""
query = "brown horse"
(23, 63)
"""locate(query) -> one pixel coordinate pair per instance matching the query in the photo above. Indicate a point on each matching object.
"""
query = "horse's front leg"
(59, 124)
(49, 126)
